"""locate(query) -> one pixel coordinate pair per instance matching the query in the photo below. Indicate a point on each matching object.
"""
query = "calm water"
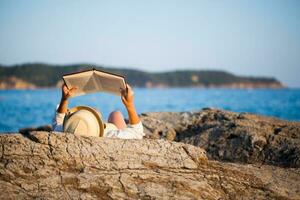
(26, 108)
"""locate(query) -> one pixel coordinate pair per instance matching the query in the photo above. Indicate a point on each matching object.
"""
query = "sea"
(33, 108)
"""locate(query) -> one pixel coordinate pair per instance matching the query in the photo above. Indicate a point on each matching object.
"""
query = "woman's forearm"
(132, 115)
(63, 106)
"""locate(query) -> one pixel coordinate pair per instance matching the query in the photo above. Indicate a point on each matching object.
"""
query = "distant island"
(39, 75)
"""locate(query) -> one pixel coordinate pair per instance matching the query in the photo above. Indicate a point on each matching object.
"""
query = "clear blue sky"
(244, 37)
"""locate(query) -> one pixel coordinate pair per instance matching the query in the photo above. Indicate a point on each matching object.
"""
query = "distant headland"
(39, 75)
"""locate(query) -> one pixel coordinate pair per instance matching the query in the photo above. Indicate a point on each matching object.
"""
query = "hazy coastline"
(36, 76)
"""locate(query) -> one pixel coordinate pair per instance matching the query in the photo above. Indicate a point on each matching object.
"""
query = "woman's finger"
(124, 98)
(73, 89)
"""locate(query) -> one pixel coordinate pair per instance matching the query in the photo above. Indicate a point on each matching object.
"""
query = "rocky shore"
(15, 83)
(208, 154)
(229, 136)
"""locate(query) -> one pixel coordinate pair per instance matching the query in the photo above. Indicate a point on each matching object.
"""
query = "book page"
(90, 85)
(83, 81)
(97, 83)
(110, 83)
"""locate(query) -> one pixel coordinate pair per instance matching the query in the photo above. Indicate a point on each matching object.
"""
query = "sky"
(252, 38)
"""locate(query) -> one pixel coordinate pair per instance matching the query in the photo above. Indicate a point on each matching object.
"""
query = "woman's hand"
(127, 97)
(66, 92)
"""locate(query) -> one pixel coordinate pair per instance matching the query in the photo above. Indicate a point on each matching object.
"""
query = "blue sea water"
(30, 108)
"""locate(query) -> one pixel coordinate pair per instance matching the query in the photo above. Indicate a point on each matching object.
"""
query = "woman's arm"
(127, 99)
(65, 94)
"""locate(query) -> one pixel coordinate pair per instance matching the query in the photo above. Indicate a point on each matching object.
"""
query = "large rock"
(230, 136)
(47, 165)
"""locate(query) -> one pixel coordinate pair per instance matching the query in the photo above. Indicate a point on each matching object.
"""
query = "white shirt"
(132, 131)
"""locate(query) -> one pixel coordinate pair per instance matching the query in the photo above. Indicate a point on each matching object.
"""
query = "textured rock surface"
(229, 136)
(47, 165)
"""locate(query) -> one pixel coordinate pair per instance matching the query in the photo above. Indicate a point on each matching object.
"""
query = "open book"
(91, 81)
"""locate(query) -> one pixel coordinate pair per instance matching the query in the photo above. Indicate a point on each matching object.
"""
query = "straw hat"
(84, 120)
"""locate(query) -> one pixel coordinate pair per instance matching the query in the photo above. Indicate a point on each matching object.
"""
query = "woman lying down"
(87, 121)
